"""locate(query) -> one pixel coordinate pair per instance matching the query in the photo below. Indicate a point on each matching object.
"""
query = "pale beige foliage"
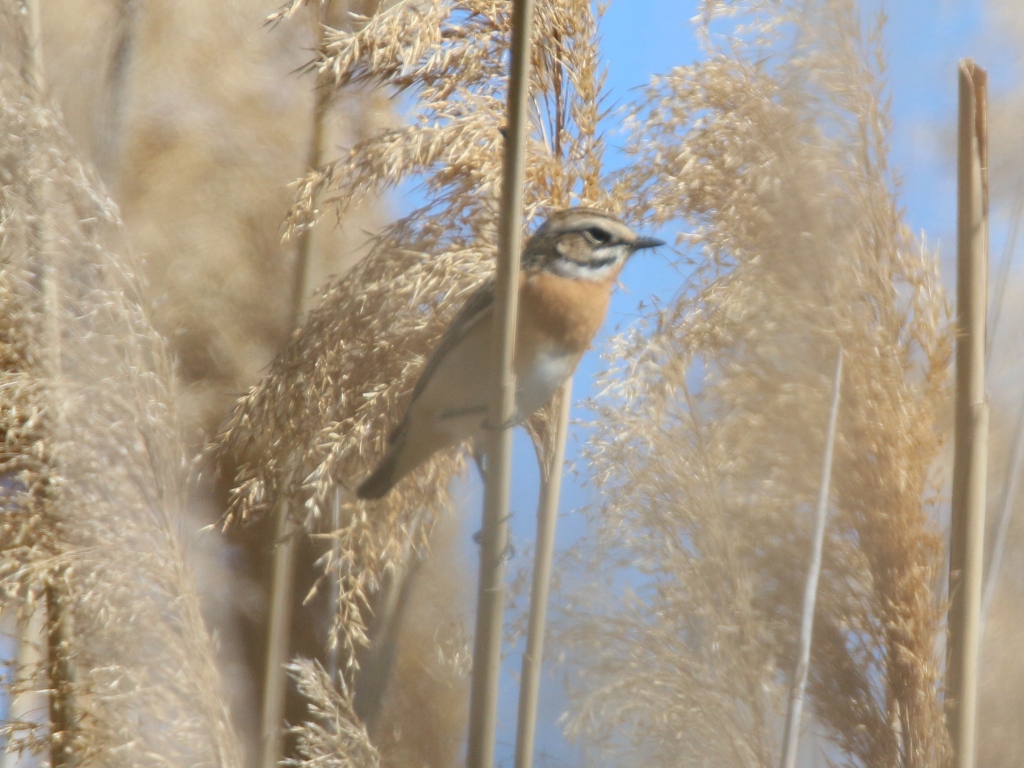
(215, 123)
(709, 433)
(332, 737)
(93, 468)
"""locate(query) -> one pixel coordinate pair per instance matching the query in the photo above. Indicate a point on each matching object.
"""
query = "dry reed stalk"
(497, 448)
(773, 151)
(970, 462)
(112, 118)
(1000, 738)
(45, 271)
(550, 457)
(94, 470)
(286, 541)
(1010, 486)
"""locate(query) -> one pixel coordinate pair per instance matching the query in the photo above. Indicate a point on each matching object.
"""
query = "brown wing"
(472, 312)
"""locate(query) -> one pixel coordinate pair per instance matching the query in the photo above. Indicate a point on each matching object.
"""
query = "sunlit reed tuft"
(93, 469)
(709, 432)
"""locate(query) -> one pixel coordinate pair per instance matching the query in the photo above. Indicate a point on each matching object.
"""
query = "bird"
(568, 269)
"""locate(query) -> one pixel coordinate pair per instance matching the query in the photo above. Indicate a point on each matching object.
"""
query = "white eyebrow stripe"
(582, 270)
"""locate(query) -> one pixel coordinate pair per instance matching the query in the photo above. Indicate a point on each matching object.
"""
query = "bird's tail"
(409, 449)
(383, 477)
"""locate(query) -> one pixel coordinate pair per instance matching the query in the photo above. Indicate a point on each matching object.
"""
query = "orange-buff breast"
(560, 311)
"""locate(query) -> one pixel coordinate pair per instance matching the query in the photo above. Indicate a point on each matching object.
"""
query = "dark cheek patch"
(572, 246)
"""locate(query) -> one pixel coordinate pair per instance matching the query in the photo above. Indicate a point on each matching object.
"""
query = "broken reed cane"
(791, 736)
(547, 518)
(275, 684)
(483, 713)
(967, 528)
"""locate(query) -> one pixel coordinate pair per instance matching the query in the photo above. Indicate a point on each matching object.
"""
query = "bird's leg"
(479, 458)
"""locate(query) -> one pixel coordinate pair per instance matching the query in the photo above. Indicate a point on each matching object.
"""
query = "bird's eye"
(597, 235)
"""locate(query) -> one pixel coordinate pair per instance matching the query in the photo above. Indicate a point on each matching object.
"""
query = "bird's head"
(583, 244)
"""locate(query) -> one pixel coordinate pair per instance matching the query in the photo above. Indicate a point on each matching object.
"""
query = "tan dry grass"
(93, 467)
(709, 433)
(214, 125)
(332, 737)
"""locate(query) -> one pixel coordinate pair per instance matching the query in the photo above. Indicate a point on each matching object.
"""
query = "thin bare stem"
(62, 753)
(32, 46)
(1013, 469)
(791, 737)
(335, 594)
(59, 666)
(1005, 263)
(967, 529)
(374, 674)
(276, 682)
(111, 122)
(487, 640)
(547, 518)
(287, 538)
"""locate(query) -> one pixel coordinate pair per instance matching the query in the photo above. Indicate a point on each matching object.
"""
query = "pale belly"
(457, 399)
(540, 380)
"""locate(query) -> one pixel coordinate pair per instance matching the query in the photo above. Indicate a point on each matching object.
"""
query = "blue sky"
(925, 39)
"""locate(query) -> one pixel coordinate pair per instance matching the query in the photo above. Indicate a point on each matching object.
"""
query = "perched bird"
(568, 269)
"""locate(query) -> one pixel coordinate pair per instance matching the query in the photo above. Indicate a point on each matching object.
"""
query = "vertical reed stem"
(275, 686)
(547, 518)
(791, 737)
(487, 639)
(1013, 469)
(372, 681)
(276, 680)
(62, 754)
(32, 45)
(333, 666)
(967, 529)
(111, 122)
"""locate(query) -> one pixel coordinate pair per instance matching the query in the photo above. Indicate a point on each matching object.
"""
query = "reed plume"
(332, 737)
(93, 469)
(772, 156)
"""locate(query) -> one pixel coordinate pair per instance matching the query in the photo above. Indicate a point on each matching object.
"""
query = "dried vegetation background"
(145, 285)
(709, 437)
(94, 474)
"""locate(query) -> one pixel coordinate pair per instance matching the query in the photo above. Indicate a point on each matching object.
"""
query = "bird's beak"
(646, 242)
